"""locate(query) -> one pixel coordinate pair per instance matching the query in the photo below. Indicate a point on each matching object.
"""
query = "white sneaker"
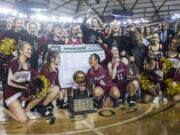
(2, 116)
(165, 99)
(31, 116)
(156, 100)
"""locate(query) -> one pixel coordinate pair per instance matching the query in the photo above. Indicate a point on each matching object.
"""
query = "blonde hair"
(21, 45)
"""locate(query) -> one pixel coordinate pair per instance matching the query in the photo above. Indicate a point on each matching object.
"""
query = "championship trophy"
(80, 101)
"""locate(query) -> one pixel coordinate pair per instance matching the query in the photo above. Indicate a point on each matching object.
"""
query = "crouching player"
(98, 78)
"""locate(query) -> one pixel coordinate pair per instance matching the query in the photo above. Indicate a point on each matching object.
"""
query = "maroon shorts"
(107, 88)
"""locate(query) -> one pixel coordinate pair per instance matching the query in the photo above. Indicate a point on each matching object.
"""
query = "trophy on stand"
(80, 102)
(79, 78)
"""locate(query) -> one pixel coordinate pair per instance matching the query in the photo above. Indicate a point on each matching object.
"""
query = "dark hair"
(49, 56)
(96, 56)
(21, 45)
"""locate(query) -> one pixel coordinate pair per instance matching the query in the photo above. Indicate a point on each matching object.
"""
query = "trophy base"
(80, 106)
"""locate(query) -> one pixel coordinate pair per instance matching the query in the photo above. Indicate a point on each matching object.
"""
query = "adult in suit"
(165, 35)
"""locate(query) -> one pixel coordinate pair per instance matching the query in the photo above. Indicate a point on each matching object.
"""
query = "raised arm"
(112, 70)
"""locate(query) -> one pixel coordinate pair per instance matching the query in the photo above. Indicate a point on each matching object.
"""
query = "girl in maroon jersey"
(118, 72)
(18, 75)
(100, 81)
(50, 71)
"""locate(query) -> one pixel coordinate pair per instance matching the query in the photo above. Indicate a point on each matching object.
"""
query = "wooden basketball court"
(143, 119)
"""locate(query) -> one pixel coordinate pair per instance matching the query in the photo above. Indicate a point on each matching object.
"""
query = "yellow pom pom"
(171, 88)
(145, 83)
(7, 46)
(167, 65)
(45, 89)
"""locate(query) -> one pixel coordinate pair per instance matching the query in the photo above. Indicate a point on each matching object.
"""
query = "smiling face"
(49, 27)
(57, 31)
(26, 51)
(116, 27)
(155, 38)
(33, 29)
(93, 61)
(9, 23)
(57, 60)
(94, 24)
(147, 31)
(18, 25)
(174, 44)
(115, 52)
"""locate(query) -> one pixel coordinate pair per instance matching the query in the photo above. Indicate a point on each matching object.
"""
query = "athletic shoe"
(116, 103)
(45, 112)
(156, 100)
(132, 103)
(31, 116)
(50, 107)
(2, 116)
(98, 103)
(131, 100)
(165, 99)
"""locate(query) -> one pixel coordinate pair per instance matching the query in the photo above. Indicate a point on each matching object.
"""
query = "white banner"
(74, 58)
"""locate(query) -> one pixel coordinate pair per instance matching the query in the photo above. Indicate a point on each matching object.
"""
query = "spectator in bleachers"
(75, 35)
(32, 38)
(91, 33)
(165, 35)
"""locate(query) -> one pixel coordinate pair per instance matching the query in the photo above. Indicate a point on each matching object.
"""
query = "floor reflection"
(146, 120)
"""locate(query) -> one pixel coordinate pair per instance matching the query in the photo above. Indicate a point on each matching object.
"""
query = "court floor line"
(110, 125)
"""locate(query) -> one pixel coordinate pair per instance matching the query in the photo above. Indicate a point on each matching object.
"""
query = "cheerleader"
(18, 75)
(51, 72)
(118, 72)
(172, 54)
(155, 47)
(155, 75)
(100, 81)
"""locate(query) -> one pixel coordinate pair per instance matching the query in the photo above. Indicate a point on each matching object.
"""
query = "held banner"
(74, 58)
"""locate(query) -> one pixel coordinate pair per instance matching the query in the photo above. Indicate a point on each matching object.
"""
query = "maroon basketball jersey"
(52, 76)
(121, 73)
(100, 78)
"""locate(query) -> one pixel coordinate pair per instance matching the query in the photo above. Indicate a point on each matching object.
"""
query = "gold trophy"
(79, 78)
(80, 102)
